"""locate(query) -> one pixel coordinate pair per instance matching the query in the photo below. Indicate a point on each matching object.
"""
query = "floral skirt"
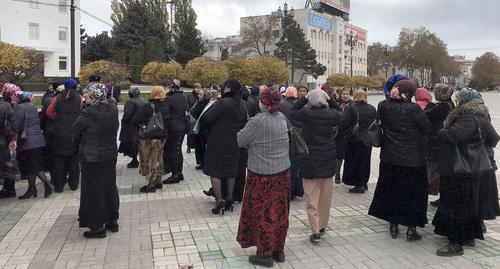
(264, 216)
(151, 158)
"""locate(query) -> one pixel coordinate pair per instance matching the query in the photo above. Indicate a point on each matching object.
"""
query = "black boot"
(412, 235)
(133, 164)
(100, 233)
(31, 192)
(112, 226)
(261, 261)
(174, 179)
(394, 230)
(450, 250)
(357, 189)
(210, 192)
(48, 190)
(483, 227)
(4, 194)
(279, 256)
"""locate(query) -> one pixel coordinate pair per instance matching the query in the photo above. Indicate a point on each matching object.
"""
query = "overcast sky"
(468, 27)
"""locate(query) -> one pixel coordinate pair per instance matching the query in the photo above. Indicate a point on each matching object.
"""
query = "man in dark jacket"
(8, 139)
(253, 108)
(177, 129)
(64, 110)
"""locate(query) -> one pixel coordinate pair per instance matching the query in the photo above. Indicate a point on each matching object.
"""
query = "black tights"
(32, 179)
(217, 187)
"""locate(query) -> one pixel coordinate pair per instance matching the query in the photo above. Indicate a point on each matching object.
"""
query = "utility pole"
(72, 31)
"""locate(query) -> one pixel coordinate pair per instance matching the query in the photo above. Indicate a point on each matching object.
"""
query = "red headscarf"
(9, 92)
(271, 98)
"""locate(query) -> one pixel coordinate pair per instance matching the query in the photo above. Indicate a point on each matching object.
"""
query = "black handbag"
(374, 133)
(472, 158)
(155, 127)
(298, 147)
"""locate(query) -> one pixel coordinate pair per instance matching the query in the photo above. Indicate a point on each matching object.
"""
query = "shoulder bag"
(374, 132)
(155, 127)
(297, 145)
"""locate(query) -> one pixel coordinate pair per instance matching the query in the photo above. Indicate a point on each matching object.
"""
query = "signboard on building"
(361, 34)
(343, 5)
(320, 22)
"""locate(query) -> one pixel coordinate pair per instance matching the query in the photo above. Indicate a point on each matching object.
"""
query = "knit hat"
(318, 98)
(467, 95)
(271, 99)
(255, 90)
(133, 92)
(70, 84)
(391, 82)
(423, 97)
(443, 92)
(291, 92)
(97, 94)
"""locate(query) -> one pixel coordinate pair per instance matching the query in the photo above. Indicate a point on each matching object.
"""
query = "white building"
(466, 68)
(42, 25)
(216, 46)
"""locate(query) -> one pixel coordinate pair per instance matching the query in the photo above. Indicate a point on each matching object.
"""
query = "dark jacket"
(319, 126)
(191, 99)
(178, 106)
(461, 128)
(366, 114)
(28, 121)
(405, 133)
(98, 126)
(253, 105)
(198, 108)
(128, 132)
(437, 113)
(47, 98)
(286, 109)
(146, 112)
(64, 110)
(117, 92)
(224, 119)
(7, 122)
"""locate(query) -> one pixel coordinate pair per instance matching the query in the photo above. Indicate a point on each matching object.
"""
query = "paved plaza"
(174, 228)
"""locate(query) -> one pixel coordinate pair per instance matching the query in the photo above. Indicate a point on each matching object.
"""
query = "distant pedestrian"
(191, 100)
(202, 100)
(345, 101)
(129, 140)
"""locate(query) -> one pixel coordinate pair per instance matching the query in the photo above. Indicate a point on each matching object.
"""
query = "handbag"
(472, 158)
(155, 127)
(297, 145)
(374, 133)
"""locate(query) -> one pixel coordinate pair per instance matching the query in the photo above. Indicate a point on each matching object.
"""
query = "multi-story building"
(466, 68)
(216, 46)
(45, 27)
(327, 33)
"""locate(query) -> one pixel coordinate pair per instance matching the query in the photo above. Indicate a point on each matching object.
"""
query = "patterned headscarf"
(9, 92)
(134, 92)
(97, 94)
(291, 92)
(271, 99)
(318, 98)
(443, 92)
(467, 95)
(403, 90)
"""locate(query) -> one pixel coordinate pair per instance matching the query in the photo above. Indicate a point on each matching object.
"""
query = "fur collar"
(467, 108)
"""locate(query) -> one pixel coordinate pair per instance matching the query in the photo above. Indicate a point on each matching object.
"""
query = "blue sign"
(320, 22)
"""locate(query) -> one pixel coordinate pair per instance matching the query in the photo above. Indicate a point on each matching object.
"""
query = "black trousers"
(201, 145)
(66, 170)
(172, 153)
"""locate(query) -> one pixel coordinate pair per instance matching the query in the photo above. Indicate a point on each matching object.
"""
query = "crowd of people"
(242, 141)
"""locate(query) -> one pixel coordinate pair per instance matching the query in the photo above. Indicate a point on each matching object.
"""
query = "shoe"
(483, 227)
(435, 203)
(228, 205)
(188, 150)
(314, 238)
(279, 256)
(322, 232)
(210, 192)
(147, 189)
(31, 192)
(471, 243)
(261, 261)
(7, 194)
(394, 230)
(337, 179)
(101, 233)
(180, 177)
(412, 235)
(357, 189)
(159, 186)
(58, 189)
(171, 180)
(366, 187)
(112, 226)
(450, 250)
(199, 167)
(73, 187)
(219, 208)
(48, 190)
(133, 164)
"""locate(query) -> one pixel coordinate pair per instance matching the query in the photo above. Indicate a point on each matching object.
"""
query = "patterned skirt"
(264, 216)
(151, 158)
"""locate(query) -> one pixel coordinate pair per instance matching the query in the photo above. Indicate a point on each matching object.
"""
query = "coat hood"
(467, 108)
(423, 97)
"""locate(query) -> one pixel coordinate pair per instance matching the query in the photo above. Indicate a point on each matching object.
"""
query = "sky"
(470, 28)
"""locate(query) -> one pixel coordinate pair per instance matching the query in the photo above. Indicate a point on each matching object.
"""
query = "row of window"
(320, 35)
(34, 32)
(63, 5)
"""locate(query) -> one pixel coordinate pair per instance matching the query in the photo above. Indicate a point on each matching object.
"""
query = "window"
(33, 4)
(63, 33)
(63, 6)
(63, 63)
(34, 31)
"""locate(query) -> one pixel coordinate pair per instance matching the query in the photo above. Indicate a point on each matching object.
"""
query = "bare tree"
(258, 32)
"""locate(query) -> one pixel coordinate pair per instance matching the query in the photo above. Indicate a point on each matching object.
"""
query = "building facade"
(216, 46)
(466, 68)
(45, 27)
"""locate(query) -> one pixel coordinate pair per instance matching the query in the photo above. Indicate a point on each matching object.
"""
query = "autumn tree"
(207, 72)
(270, 69)
(258, 32)
(243, 69)
(486, 71)
(376, 82)
(18, 63)
(378, 58)
(339, 80)
(109, 72)
(161, 73)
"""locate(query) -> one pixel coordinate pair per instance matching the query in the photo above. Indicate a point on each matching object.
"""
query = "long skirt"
(401, 195)
(151, 158)
(489, 208)
(99, 200)
(340, 146)
(264, 216)
(357, 163)
(31, 162)
(458, 213)
(239, 185)
(130, 149)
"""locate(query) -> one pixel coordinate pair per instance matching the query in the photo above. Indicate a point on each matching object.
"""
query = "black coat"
(146, 112)
(47, 98)
(405, 133)
(177, 106)
(7, 122)
(253, 105)
(437, 113)
(319, 126)
(224, 119)
(198, 108)
(286, 109)
(461, 128)
(366, 114)
(192, 98)
(98, 126)
(128, 132)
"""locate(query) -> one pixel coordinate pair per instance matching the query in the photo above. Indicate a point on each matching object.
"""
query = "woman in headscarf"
(202, 100)
(358, 118)
(224, 119)
(264, 216)
(129, 141)
(31, 145)
(99, 201)
(151, 149)
(437, 113)
(459, 213)
(402, 188)
(341, 139)
(319, 126)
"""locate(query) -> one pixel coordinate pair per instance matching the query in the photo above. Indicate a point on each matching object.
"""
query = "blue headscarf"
(466, 95)
(70, 84)
(391, 82)
(255, 90)
(24, 96)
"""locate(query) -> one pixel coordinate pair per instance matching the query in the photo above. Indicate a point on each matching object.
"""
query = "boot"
(357, 189)
(261, 261)
(394, 230)
(4, 194)
(48, 190)
(133, 164)
(174, 179)
(112, 226)
(450, 250)
(279, 256)
(31, 192)
(412, 235)
(338, 178)
(483, 227)
(101, 233)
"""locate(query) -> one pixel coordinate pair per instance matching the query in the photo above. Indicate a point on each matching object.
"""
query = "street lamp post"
(351, 41)
(387, 51)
